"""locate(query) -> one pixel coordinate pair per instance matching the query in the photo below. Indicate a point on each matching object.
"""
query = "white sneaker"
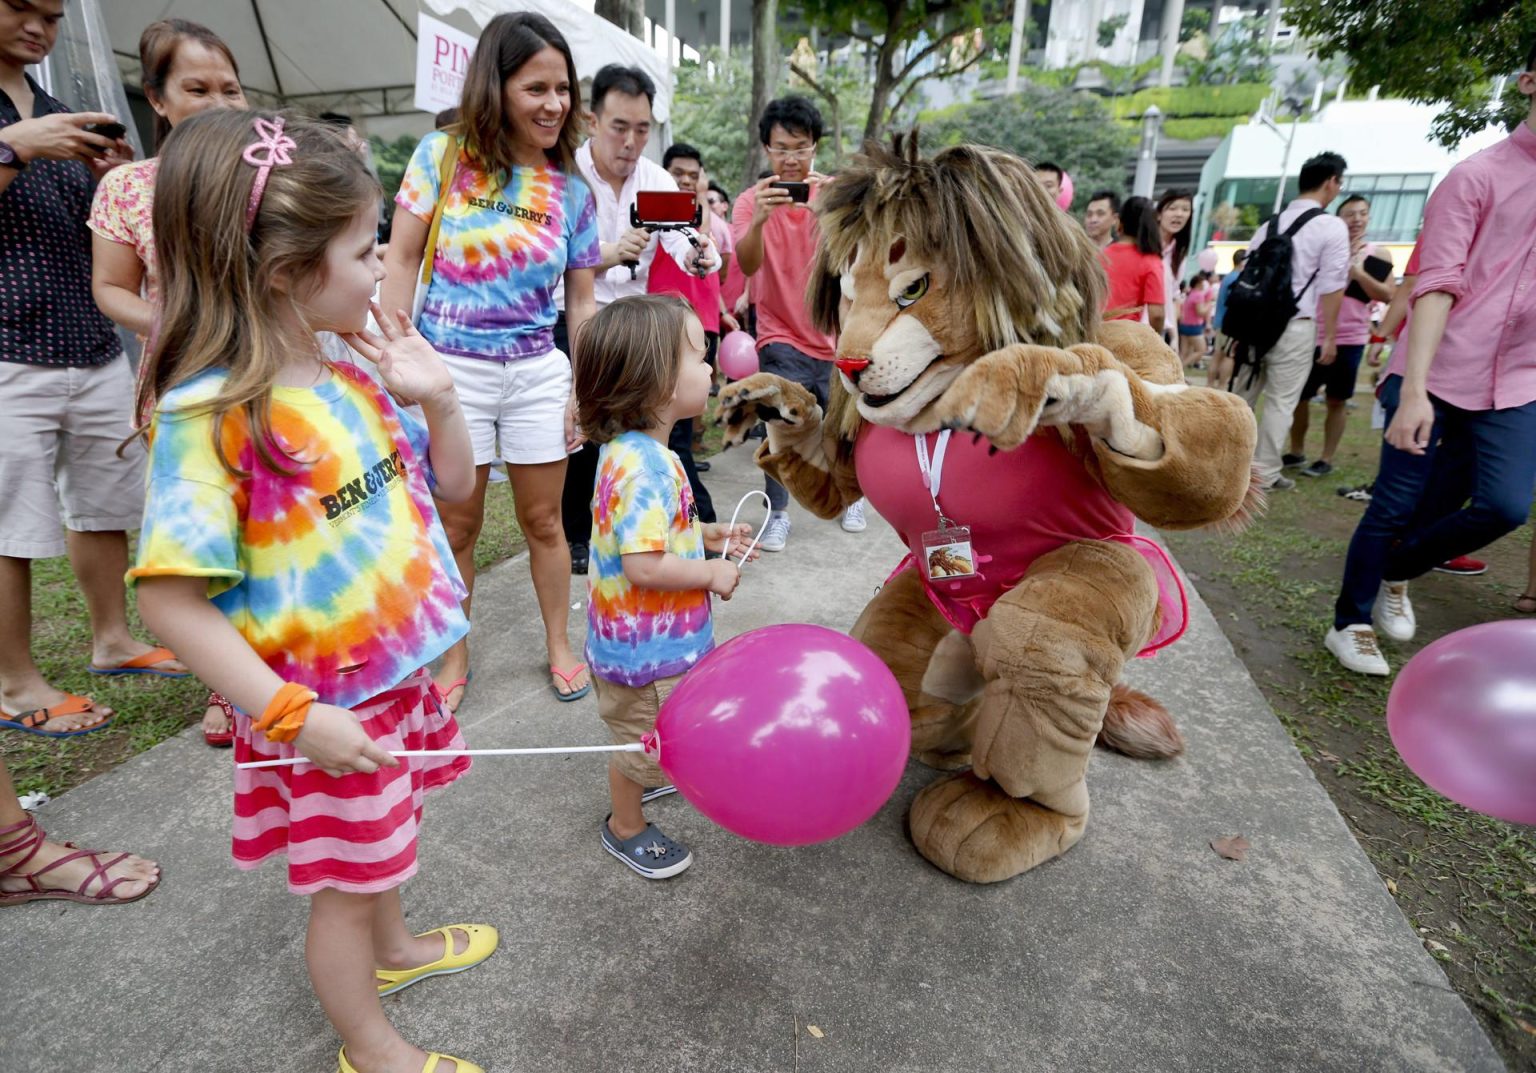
(1393, 613)
(1355, 649)
(853, 518)
(776, 532)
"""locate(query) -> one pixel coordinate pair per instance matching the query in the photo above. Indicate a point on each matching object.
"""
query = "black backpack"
(1261, 301)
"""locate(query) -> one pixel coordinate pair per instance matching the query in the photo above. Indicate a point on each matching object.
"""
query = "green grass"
(1467, 881)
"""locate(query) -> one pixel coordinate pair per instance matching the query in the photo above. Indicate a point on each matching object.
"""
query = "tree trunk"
(885, 75)
(627, 15)
(765, 76)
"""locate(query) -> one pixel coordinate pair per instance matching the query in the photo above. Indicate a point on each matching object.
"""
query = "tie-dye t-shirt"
(340, 576)
(642, 503)
(500, 252)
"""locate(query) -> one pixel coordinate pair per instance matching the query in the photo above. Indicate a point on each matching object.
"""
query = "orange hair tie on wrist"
(286, 712)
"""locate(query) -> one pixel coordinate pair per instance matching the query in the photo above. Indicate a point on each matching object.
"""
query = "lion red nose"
(852, 366)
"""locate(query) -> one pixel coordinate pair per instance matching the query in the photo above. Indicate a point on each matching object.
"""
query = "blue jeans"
(1420, 515)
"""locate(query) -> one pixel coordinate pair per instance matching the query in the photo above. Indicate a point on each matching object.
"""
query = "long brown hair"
(223, 291)
(509, 41)
(159, 45)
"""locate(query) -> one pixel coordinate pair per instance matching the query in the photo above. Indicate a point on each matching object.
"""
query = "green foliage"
(1447, 52)
(1110, 28)
(1194, 101)
(1195, 22)
(716, 116)
(391, 158)
(1194, 130)
(1043, 123)
(1240, 53)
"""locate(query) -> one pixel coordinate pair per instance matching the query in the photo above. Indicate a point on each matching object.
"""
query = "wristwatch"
(9, 159)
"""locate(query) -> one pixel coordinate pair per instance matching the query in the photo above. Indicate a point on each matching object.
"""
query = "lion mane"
(1032, 274)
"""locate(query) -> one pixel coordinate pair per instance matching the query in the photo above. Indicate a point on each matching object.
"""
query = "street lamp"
(1146, 155)
(1294, 107)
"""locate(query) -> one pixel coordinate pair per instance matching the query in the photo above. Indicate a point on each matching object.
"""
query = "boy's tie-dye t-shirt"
(643, 503)
(339, 576)
(500, 252)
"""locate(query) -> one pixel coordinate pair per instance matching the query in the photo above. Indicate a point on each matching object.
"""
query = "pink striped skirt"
(356, 833)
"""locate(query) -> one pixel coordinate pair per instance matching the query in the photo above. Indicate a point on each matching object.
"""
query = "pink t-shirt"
(123, 211)
(1190, 313)
(703, 294)
(1354, 328)
(779, 284)
(1019, 505)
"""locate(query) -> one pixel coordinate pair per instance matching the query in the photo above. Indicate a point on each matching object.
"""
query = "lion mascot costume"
(1011, 437)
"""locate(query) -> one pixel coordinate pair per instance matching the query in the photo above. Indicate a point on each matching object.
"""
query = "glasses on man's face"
(791, 154)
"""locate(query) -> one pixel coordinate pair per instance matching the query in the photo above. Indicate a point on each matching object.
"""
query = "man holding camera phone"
(612, 161)
(775, 233)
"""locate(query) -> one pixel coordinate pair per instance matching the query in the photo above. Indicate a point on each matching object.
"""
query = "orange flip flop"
(32, 722)
(144, 664)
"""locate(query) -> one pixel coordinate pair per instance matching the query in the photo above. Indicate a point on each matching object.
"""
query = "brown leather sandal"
(27, 837)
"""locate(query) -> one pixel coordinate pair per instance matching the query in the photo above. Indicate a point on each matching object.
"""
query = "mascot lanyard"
(947, 549)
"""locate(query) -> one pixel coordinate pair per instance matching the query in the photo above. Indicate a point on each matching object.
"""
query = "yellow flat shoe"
(344, 1066)
(483, 940)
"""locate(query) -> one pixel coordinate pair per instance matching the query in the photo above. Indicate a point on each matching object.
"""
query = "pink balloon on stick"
(787, 735)
(1462, 715)
(737, 355)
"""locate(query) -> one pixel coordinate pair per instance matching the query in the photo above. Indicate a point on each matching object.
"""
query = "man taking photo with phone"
(613, 162)
(775, 233)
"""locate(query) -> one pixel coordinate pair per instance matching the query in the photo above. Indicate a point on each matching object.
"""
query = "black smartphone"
(106, 130)
(799, 193)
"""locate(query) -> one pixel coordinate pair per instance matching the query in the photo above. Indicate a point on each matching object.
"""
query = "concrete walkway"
(1141, 950)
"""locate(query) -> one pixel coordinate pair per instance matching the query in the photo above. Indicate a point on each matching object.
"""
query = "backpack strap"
(1301, 221)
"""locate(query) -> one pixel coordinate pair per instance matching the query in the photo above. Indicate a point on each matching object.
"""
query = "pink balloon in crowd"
(787, 735)
(1207, 260)
(737, 355)
(1462, 715)
(1064, 195)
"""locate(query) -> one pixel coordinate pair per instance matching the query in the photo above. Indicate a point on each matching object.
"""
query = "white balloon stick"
(632, 747)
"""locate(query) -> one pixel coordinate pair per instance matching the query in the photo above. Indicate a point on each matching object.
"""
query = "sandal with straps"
(344, 1066)
(29, 837)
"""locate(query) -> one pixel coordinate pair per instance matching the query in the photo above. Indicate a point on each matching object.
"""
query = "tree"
(843, 90)
(1110, 28)
(1447, 53)
(1073, 129)
(1240, 54)
(391, 158)
(912, 42)
(715, 116)
(627, 15)
(765, 76)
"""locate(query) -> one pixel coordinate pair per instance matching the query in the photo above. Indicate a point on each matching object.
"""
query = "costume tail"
(1139, 726)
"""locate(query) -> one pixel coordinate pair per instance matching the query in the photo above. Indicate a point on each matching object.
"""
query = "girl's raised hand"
(334, 741)
(407, 364)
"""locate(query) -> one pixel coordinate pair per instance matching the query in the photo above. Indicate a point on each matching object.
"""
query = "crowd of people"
(307, 443)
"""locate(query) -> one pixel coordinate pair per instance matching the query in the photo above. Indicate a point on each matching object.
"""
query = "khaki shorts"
(630, 711)
(60, 428)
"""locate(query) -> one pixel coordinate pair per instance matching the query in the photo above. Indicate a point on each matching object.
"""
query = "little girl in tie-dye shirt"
(290, 545)
(642, 369)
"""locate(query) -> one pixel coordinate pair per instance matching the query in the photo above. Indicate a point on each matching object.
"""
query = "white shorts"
(515, 409)
(60, 428)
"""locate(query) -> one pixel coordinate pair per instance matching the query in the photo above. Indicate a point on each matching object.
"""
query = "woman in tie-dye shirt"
(516, 220)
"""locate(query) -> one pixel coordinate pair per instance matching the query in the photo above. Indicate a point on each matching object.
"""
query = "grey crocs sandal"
(651, 853)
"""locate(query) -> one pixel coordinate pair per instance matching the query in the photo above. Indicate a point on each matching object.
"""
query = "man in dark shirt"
(66, 392)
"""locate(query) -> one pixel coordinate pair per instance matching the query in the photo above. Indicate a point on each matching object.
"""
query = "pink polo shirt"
(1019, 505)
(1479, 246)
(1354, 325)
(779, 284)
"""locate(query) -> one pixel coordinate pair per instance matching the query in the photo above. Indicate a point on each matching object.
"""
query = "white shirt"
(613, 221)
(1321, 246)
